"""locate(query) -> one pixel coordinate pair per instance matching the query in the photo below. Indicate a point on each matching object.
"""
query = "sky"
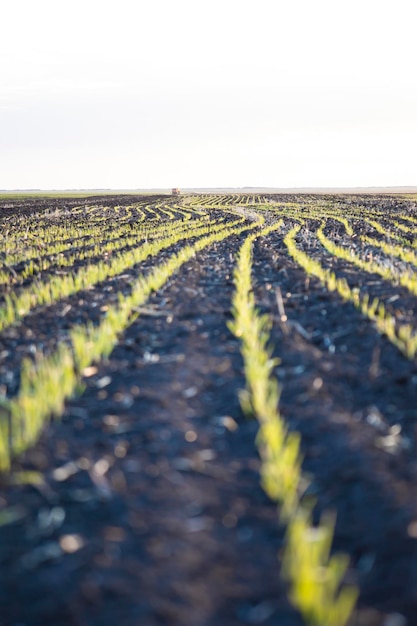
(161, 93)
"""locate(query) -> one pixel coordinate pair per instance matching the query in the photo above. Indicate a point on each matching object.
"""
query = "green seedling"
(315, 578)
(47, 382)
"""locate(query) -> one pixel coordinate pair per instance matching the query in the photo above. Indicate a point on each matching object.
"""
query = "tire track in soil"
(177, 530)
(343, 387)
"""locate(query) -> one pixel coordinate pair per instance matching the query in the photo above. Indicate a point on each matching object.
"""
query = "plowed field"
(135, 488)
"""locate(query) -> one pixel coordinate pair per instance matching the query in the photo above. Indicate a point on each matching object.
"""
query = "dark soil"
(149, 509)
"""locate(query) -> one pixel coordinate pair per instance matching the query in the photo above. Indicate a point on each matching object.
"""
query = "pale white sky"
(161, 93)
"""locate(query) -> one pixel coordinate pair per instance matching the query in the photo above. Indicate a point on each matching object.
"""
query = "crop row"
(403, 336)
(325, 237)
(315, 577)
(49, 380)
(61, 255)
(216, 200)
(34, 231)
(17, 305)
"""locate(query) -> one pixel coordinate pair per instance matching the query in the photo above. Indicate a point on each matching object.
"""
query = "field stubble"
(143, 503)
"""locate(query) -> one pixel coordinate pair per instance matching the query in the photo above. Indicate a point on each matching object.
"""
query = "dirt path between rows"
(155, 472)
(352, 396)
(150, 509)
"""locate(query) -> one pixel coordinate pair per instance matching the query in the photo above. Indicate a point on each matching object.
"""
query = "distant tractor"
(176, 191)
